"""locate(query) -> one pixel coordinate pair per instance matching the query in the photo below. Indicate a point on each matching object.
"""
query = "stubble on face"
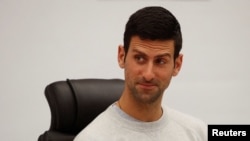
(145, 96)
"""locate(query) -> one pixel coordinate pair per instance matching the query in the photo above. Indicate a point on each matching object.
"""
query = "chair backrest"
(75, 103)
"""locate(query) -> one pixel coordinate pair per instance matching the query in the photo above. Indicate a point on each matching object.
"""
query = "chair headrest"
(75, 103)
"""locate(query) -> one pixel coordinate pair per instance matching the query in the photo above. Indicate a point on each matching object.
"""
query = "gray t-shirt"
(115, 125)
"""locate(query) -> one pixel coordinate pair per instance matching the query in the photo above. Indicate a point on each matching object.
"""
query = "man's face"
(149, 66)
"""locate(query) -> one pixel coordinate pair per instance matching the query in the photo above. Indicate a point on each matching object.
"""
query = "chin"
(147, 98)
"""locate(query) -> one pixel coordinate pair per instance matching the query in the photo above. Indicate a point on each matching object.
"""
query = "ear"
(178, 64)
(121, 56)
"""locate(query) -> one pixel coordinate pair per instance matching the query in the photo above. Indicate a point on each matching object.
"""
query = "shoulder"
(99, 126)
(187, 122)
(184, 118)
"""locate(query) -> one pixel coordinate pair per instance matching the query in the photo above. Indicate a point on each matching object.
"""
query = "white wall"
(45, 41)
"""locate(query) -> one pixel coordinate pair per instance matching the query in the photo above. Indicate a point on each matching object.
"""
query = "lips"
(147, 86)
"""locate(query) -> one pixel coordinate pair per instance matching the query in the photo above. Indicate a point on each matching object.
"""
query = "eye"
(160, 61)
(139, 58)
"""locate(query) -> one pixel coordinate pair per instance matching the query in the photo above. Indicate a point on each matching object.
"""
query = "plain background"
(42, 41)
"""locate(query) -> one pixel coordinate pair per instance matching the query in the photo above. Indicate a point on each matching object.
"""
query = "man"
(150, 57)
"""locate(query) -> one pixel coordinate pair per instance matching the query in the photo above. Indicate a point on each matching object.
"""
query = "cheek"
(165, 80)
(165, 76)
(132, 70)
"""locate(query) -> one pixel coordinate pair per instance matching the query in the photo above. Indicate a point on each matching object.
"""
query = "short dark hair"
(154, 23)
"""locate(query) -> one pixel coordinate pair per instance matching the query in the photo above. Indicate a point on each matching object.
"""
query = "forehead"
(152, 46)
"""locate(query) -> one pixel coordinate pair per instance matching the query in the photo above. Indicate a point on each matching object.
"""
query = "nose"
(148, 72)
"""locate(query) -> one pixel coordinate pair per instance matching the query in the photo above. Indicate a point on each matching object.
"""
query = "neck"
(141, 111)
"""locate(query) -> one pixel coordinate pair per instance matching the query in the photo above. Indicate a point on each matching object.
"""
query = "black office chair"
(75, 103)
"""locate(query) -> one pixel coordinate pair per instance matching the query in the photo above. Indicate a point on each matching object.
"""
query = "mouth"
(147, 86)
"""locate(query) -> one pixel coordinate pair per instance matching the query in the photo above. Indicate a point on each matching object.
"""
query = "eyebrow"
(157, 56)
